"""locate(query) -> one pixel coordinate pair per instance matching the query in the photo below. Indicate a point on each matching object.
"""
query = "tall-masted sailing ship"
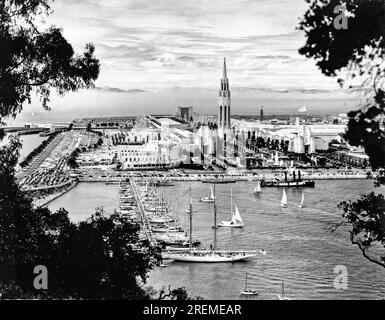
(207, 256)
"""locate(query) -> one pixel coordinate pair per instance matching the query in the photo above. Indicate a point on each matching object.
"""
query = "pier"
(145, 223)
(159, 224)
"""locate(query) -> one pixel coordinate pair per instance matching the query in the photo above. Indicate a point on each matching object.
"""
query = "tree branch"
(363, 250)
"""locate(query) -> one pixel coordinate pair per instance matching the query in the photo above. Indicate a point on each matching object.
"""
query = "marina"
(299, 247)
(159, 224)
(213, 255)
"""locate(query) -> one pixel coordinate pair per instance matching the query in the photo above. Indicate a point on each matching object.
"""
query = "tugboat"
(295, 183)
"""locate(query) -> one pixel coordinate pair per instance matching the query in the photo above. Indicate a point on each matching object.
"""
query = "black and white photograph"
(174, 150)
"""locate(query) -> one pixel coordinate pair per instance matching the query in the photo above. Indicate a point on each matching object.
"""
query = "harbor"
(300, 249)
(159, 223)
(177, 151)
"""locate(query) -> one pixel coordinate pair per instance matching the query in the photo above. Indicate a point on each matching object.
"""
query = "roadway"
(40, 158)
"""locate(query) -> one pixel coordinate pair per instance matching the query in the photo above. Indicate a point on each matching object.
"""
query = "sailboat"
(248, 291)
(236, 219)
(207, 256)
(282, 295)
(258, 189)
(284, 199)
(209, 199)
(302, 200)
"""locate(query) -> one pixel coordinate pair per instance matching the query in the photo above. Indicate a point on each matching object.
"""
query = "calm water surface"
(29, 143)
(82, 201)
(300, 249)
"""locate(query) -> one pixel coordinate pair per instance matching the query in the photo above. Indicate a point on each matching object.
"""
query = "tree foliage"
(35, 59)
(100, 258)
(357, 55)
(179, 294)
(367, 220)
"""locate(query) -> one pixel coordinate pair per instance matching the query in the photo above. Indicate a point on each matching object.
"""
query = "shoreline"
(238, 178)
(201, 177)
(46, 202)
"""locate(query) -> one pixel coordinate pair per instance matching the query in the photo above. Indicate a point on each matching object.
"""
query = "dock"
(146, 226)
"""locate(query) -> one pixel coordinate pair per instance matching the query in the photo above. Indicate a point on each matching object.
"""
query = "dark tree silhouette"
(367, 219)
(359, 50)
(99, 258)
(356, 52)
(32, 59)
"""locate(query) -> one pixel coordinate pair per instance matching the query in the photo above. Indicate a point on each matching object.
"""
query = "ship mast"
(191, 218)
(215, 220)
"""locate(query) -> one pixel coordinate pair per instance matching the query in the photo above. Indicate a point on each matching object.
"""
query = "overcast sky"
(159, 54)
(149, 44)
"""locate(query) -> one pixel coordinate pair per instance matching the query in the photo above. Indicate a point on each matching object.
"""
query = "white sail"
(258, 188)
(303, 199)
(237, 215)
(233, 219)
(284, 199)
(236, 219)
(212, 193)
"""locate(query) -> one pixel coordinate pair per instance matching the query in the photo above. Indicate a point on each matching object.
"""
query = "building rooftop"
(167, 121)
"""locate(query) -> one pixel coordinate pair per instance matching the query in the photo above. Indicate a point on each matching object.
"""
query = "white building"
(301, 138)
(149, 146)
(149, 155)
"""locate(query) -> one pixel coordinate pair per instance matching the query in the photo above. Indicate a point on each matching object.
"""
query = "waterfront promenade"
(329, 174)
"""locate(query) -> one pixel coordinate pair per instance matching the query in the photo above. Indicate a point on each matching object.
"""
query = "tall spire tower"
(224, 103)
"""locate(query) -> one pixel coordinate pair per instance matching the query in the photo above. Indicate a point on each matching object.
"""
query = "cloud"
(118, 90)
(149, 44)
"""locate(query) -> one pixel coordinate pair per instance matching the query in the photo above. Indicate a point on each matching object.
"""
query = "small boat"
(236, 220)
(188, 210)
(160, 220)
(209, 199)
(282, 295)
(302, 200)
(258, 189)
(263, 252)
(219, 180)
(248, 291)
(163, 183)
(163, 265)
(165, 229)
(284, 199)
